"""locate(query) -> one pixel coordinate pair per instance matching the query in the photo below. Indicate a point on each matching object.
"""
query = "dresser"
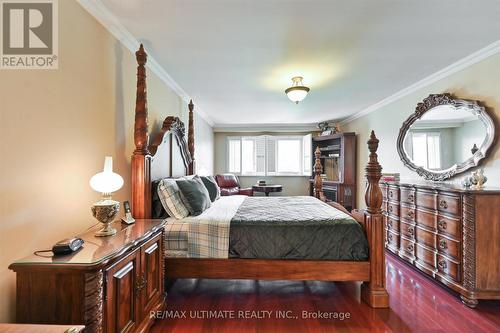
(447, 232)
(110, 285)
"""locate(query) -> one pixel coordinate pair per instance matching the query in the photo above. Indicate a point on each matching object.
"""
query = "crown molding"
(113, 25)
(252, 128)
(463, 63)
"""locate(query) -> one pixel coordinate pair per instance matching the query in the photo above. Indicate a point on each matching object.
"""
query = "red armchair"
(230, 185)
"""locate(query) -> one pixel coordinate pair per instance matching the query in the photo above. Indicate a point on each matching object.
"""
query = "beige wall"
(56, 127)
(292, 185)
(479, 81)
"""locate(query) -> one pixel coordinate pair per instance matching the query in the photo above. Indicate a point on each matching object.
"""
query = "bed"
(327, 244)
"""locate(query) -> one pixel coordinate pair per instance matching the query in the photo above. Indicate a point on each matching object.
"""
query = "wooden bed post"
(191, 167)
(141, 158)
(374, 292)
(318, 170)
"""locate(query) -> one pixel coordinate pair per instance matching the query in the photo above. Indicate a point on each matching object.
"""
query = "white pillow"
(170, 198)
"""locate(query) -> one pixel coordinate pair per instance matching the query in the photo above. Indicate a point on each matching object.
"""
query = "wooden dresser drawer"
(393, 241)
(449, 204)
(392, 224)
(393, 208)
(449, 226)
(426, 219)
(448, 268)
(383, 188)
(407, 229)
(425, 237)
(393, 193)
(449, 247)
(407, 195)
(426, 199)
(425, 257)
(407, 248)
(407, 213)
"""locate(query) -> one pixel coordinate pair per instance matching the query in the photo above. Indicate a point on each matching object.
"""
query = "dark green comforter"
(295, 228)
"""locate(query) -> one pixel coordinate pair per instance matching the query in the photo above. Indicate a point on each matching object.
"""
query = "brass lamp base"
(105, 212)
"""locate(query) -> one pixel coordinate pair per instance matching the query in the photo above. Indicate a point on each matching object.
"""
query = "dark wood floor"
(417, 305)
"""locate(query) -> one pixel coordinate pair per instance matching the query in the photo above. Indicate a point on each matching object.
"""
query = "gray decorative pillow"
(170, 198)
(212, 187)
(194, 195)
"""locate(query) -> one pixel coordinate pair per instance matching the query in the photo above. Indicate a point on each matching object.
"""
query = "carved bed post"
(374, 292)
(318, 170)
(141, 158)
(191, 167)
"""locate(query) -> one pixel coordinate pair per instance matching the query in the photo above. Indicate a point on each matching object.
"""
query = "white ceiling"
(236, 57)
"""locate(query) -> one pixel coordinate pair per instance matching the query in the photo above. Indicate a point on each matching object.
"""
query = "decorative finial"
(141, 55)
(373, 143)
(191, 105)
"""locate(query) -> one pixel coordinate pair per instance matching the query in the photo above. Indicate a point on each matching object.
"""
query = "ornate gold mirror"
(445, 136)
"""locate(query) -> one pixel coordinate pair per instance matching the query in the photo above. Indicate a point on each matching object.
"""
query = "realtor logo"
(29, 34)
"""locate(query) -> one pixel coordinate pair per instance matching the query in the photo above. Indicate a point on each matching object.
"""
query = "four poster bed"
(151, 162)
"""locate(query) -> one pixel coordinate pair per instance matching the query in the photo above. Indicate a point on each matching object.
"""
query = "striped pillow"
(170, 198)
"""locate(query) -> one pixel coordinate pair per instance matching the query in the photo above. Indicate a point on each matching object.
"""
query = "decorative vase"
(105, 212)
(478, 179)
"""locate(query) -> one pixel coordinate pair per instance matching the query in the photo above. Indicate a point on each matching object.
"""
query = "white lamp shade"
(297, 95)
(106, 181)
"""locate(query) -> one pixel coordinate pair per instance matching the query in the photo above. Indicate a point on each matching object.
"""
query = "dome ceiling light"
(297, 92)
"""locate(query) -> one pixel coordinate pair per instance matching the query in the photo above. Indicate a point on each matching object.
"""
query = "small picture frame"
(127, 219)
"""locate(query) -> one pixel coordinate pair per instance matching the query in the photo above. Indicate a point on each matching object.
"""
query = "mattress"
(276, 228)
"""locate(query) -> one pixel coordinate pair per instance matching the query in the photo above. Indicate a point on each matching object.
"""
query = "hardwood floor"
(417, 305)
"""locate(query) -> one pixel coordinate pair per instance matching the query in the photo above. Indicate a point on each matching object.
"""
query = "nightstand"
(110, 285)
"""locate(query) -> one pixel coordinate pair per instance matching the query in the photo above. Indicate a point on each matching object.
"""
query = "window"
(426, 149)
(268, 155)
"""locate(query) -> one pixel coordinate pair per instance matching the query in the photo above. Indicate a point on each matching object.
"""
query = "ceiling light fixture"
(297, 92)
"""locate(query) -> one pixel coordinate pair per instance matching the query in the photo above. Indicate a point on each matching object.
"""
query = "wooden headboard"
(153, 161)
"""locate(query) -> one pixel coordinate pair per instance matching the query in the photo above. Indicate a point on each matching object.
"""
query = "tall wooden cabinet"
(450, 233)
(338, 159)
(110, 285)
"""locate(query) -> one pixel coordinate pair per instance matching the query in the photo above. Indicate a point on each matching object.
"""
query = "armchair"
(230, 185)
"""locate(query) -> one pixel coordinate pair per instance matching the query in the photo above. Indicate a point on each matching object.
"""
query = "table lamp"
(105, 210)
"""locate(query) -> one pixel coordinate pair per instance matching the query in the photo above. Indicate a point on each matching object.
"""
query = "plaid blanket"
(208, 234)
(205, 235)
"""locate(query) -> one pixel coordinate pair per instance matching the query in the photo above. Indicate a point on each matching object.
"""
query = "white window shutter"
(260, 152)
(307, 154)
(271, 155)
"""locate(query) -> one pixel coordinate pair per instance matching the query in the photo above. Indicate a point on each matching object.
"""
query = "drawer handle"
(411, 230)
(410, 214)
(390, 209)
(442, 244)
(442, 224)
(389, 224)
(442, 265)
(443, 204)
(391, 194)
(389, 237)
(409, 248)
(411, 198)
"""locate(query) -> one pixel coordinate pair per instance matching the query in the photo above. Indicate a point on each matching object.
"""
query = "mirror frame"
(426, 105)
